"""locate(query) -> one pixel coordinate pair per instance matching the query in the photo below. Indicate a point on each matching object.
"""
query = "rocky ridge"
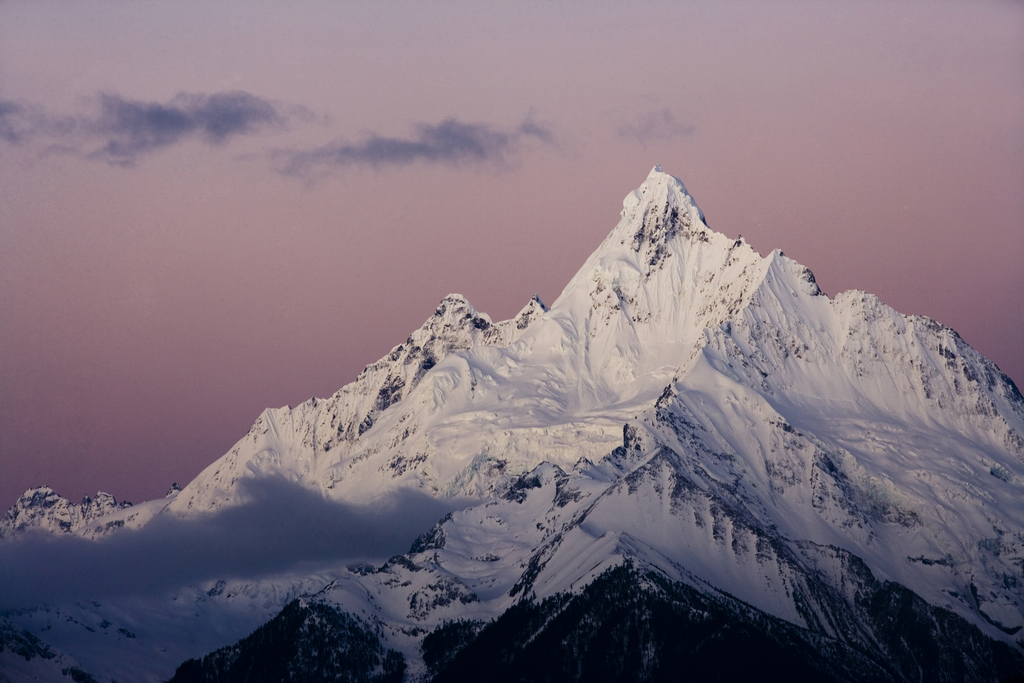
(42, 509)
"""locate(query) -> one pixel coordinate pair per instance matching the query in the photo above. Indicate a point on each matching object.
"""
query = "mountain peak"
(661, 262)
(660, 189)
(659, 220)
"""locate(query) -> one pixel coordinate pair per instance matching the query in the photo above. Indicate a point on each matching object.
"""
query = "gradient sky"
(207, 209)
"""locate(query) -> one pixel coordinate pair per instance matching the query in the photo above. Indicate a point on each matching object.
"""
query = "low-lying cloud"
(450, 142)
(283, 526)
(654, 126)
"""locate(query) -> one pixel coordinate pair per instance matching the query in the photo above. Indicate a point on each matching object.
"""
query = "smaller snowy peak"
(454, 321)
(173, 491)
(455, 326)
(530, 312)
(936, 365)
(100, 505)
(319, 435)
(794, 272)
(43, 509)
(39, 508)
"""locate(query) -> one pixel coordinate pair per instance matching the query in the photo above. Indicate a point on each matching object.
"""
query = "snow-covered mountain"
(43, 509)
(689, 412)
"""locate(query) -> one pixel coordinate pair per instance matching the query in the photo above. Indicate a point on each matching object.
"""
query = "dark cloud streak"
(134, 128)
(283, 526)
(450, 142)
(129, 129)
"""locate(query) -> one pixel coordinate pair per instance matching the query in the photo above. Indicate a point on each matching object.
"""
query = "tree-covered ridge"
(629, 625)
(309, 641)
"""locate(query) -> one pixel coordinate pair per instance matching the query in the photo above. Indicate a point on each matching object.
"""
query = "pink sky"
(155, 298)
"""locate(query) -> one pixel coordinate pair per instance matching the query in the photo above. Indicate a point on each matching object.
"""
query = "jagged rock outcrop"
(42, 509)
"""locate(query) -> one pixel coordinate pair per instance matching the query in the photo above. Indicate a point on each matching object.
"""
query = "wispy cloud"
(450, 142)
(281, 527)
(134, 128)
(654, 126)
(121, 131)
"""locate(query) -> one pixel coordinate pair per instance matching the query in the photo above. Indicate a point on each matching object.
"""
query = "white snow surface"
(686, 404)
